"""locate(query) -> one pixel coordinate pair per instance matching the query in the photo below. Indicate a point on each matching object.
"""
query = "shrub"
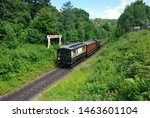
(34, 36)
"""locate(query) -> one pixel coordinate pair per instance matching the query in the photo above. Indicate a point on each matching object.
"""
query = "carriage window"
(77, 51)
(80, 50)
(83, 49)
(73, 53)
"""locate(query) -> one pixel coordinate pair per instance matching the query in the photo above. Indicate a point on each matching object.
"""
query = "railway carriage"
(70, 54)
(91, 47)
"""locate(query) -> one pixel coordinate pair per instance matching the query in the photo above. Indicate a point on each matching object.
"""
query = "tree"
(42, 2)
(148, 14)
(46, 21)
(136, 14)
(36, 5)
(32, 20)
(77, 25)
(15, 12)
(67, 6)
(105, 27)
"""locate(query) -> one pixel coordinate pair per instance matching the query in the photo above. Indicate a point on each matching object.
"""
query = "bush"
(34, 36)
(20, 65)
(121, 71)
(12, 34)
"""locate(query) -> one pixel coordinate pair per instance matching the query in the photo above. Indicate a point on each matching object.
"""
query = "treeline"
(31, 20)
(106, 27)
(24, 25)
(136, 14)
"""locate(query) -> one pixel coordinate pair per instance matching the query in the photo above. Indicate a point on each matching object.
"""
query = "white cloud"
(93, 14)
(113, 13)
(110, 13)
(147, 2)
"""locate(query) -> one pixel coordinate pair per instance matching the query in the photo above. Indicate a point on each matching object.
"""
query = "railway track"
(30, 90)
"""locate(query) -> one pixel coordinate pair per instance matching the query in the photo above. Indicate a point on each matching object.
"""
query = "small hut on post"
(49, 37)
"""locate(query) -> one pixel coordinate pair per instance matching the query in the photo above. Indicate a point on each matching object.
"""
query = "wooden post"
(49, 37)
(49, 41)
(60, 40)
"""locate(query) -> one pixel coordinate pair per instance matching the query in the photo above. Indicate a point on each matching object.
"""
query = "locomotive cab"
(97, 43)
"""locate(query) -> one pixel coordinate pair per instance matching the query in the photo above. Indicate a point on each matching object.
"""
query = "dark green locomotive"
(97, 43)
(70, 54)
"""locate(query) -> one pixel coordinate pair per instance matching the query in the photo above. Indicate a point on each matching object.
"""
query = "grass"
(67, 87)
(120, 71)
(20, 66)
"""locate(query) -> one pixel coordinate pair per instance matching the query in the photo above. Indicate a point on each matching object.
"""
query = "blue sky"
(110, 9)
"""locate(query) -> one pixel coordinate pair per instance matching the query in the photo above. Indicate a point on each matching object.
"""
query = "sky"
(105, 9)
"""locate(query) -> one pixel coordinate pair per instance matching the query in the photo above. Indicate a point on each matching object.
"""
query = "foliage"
(43, 2)
(34, 36)
(24, 25)
(120, 71)
(21, 65)
(31, 20)
(67, 6)
(136, 14)
(77, 25)
(46, 22)
(15, 12)
(62, 90)
(106, 27)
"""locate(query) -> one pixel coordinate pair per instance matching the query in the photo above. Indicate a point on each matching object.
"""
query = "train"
(71, 54)
(136, 28)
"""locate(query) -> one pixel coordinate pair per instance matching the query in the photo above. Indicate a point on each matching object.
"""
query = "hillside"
(24, 26)
(106, 27)
(119, 71)
(21, 65)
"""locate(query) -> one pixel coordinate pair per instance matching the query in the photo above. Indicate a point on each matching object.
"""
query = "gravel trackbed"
(35, 87)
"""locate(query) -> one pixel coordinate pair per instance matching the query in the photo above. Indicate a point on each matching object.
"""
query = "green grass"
(120, 71)
(67, 87)
(104, 40)
(19, 66)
